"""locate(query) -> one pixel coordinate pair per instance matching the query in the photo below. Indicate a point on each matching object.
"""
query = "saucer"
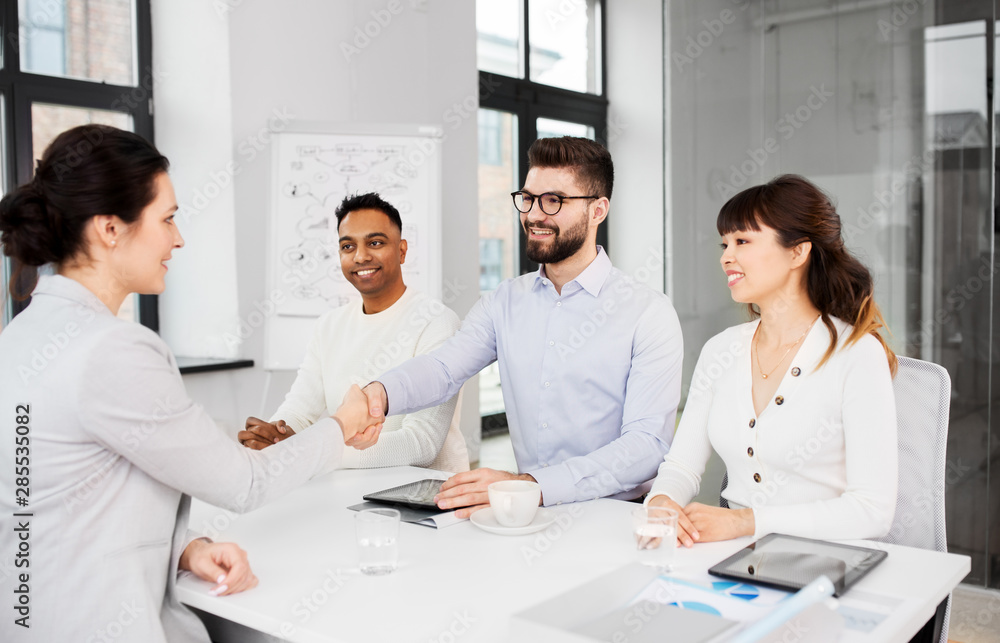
(487, 521)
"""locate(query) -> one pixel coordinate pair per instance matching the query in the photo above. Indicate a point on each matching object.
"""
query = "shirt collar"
(593, 276)
(59, 286)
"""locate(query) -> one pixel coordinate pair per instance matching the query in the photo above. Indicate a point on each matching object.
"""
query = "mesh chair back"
(923, 401)
(923, 398)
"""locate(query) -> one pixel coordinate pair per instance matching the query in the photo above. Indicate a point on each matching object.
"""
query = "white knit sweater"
(350, 347)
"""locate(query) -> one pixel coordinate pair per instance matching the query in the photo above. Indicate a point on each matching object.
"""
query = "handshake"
(360, 416)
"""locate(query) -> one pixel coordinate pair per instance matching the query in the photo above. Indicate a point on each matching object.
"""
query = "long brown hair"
(838, 284)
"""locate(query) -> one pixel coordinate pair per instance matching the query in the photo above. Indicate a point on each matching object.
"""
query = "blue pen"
(816, 591)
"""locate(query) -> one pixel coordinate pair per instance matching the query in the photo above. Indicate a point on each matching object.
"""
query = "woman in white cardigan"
(798, 403)
(109, 447)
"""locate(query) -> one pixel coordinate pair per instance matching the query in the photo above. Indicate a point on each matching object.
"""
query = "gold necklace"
(794, 344)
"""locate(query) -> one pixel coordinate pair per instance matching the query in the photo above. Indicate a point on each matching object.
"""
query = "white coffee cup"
(514, 502)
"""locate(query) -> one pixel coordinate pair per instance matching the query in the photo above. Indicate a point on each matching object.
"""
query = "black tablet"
(790, 562)
(418, 494)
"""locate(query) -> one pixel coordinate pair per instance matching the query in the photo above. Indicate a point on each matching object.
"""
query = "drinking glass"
(655, 533)
(378, 534)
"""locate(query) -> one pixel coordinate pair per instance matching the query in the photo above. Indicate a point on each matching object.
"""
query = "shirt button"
(750, 451)
(752, 422)
(545, 426)
(558, 303)
(546, 385)
(551, 343)
(756, 477)
(796, 371)
(779, 400)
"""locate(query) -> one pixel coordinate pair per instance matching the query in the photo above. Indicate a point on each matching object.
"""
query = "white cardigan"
(819, 461)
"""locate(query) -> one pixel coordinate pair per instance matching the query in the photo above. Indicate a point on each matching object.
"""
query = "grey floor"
(975, 612)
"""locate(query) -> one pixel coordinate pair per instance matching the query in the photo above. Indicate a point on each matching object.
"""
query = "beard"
(564, 244)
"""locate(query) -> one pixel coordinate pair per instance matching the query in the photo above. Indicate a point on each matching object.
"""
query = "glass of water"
(378, 533)
(655, 533)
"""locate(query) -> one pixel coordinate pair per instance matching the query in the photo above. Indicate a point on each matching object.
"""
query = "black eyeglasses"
(548, 202)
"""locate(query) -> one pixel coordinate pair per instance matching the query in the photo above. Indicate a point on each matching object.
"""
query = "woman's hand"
(717, 523)
(361, 415)
(687, 534)
(224, 563)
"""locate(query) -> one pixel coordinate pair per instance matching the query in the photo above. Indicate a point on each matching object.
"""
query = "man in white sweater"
(353, 344)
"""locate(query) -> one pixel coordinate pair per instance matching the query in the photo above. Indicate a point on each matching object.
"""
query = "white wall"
(193, 128)
(635, 139)
(311, 60)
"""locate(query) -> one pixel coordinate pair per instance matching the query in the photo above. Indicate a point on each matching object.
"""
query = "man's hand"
(687, 534)
(223, 563)
(259, 434)
(717, 523)
(378, 399)
(468, 490)
(359, 420)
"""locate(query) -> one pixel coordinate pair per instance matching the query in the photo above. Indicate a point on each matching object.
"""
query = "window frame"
(19, 89)
(530, 100)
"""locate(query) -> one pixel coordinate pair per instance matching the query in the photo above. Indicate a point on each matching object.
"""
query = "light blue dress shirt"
(591, 378)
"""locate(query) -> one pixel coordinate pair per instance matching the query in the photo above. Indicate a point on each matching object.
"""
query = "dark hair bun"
(27, 228)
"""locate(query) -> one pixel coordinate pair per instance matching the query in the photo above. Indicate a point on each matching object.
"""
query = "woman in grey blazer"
(103, 448)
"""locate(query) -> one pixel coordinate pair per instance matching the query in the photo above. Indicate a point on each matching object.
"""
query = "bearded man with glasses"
(590, 360)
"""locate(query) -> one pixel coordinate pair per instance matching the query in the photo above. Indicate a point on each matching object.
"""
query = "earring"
(113, 242)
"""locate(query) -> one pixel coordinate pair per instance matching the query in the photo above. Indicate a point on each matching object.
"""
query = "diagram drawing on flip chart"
(314, 168)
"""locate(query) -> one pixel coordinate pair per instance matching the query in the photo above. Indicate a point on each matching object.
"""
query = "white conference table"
(460, 583)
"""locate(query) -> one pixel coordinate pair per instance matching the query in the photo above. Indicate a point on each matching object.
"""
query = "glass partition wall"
(888, 105)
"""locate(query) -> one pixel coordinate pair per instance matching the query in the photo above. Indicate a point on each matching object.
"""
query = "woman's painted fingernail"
(218, 590)
(221, 578)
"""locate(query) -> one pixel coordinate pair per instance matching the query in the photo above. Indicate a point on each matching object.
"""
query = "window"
(541, 68)
(490, 137)
(68, 63)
